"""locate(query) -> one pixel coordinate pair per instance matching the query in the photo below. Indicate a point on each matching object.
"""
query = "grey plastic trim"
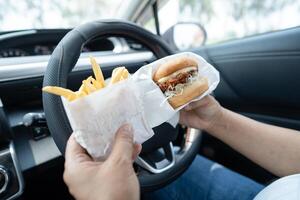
(120, 45)
(16, 34)
(142, 163)
(18, 171)
(4, 172)
(192, 135)
(9, 72)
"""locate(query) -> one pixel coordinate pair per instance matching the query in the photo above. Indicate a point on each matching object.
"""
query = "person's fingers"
(123, 146)
(137, 148)
(74, 152)
(183, 117)
(197, 104)
(188, 118)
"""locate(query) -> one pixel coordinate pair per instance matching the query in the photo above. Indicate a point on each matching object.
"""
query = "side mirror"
(185, 35)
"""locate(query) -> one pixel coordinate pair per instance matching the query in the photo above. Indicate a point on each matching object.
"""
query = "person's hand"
(112, 179)
(201, 114)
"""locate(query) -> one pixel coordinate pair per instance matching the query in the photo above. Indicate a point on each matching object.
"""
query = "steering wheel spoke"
(159, 161)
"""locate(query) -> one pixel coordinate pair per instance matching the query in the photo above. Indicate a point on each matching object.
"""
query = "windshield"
(37, 14)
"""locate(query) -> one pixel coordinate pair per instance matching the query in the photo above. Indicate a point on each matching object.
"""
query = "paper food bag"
(138, 100)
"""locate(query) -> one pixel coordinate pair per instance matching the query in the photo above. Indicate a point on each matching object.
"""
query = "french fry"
(113, 74)
(97, 72)
(68, 94)
(116, 75)
(82, 89)
(73, 97)
(119, 73)
(96, 84)
(114, 71)
(90, 84)
(80, 94)
(88, 87)
(125, 73)
(89, 79)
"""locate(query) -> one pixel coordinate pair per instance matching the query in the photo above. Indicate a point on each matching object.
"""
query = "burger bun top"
(172, 66)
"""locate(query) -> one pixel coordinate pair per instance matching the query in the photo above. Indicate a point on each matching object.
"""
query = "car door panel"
(274, 42)
(259, 78)
(260, 72)
(267, 80)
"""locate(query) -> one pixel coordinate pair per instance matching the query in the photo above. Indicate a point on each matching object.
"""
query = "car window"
(228, 19)
(31, 14)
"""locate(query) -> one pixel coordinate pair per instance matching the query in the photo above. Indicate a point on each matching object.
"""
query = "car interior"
(259, 78)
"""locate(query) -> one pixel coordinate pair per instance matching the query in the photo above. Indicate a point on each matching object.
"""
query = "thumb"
(123, 147)
(75, 153)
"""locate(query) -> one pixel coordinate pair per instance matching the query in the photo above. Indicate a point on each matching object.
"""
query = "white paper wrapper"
(138, 101)
(96, 117)
(156, 100)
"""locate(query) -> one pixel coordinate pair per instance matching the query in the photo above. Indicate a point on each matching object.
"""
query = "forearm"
(275, 149)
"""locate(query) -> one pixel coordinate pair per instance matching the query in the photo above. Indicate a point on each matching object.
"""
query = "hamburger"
(179, 80)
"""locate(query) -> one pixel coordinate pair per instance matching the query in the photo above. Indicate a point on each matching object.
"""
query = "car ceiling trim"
(135, 9)
(12, 72)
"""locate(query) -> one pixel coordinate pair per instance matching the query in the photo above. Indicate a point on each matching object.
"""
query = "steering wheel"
(160, 162)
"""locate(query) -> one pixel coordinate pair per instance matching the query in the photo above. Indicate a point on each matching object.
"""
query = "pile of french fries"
(90, 84)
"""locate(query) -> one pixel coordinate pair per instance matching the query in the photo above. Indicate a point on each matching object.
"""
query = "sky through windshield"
(28, 14)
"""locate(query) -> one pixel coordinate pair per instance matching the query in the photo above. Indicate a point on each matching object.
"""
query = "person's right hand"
(201, 114)
(111, 179)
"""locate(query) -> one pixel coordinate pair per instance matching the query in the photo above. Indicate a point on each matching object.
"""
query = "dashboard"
(43, 42)
(24, 56)
(31, 50)
(34, 49)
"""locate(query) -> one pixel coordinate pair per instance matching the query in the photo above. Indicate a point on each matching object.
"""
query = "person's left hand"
(112, 179)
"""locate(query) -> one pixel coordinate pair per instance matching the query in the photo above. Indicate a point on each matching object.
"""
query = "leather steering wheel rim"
(63, 60)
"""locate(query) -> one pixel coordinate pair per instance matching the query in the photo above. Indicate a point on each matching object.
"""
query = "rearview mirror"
(185, 35)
